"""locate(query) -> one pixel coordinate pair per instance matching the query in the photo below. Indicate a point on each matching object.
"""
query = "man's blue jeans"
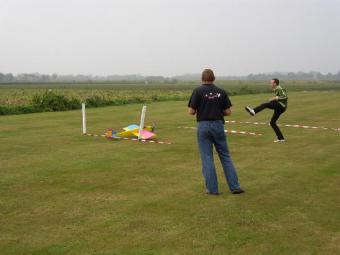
(211, 133)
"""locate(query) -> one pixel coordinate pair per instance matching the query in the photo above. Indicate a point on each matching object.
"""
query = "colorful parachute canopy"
(133, 131)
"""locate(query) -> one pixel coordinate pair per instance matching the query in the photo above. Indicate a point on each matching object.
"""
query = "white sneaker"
(250, 110)
(279, 141)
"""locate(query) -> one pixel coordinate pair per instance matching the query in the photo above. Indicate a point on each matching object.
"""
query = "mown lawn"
(64, 193)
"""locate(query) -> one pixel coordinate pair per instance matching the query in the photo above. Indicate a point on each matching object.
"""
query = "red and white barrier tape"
(285, 125)
(231, 131)
(127, 138)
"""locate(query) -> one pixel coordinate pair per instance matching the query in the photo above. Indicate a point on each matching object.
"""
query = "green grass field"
(64, 193)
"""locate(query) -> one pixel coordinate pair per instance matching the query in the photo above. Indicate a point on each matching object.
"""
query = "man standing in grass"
(278, 103)
(211, 104)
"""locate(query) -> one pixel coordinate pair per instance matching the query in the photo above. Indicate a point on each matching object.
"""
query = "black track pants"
(278, 110)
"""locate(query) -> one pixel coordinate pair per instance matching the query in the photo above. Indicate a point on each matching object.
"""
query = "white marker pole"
(84, 118)
(141, 124)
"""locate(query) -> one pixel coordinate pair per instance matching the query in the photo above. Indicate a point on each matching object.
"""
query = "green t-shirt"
(282, 96)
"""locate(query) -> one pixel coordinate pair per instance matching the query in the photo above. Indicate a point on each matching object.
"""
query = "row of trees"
(37, 77)
(296, 76)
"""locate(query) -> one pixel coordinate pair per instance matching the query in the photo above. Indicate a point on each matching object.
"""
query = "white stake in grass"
(84, 117)
(141, 124)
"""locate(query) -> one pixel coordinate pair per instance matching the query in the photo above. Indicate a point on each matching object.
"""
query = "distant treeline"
(45, 78)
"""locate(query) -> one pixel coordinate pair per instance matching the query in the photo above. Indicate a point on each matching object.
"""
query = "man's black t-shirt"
(209, 101)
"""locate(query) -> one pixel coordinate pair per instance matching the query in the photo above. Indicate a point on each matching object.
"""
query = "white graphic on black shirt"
(212, 95)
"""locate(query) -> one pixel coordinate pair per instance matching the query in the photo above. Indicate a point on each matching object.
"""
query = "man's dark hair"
(277, 82)
(208, 75)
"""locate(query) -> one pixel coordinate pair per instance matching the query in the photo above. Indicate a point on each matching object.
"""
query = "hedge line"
(52, 102)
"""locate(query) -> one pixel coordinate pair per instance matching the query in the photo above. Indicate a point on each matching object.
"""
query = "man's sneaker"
(250, 110)
(237, 191)
(279, 141)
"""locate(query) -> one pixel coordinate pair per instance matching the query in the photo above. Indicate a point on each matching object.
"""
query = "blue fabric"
(209, 134)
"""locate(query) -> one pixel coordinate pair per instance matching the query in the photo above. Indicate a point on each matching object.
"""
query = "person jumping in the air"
(278, 103)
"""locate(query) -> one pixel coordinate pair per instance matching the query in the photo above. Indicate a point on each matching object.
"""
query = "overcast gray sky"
(169, 37)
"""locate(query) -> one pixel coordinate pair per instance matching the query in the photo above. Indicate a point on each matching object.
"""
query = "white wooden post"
(141, 124)
(84, 117)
